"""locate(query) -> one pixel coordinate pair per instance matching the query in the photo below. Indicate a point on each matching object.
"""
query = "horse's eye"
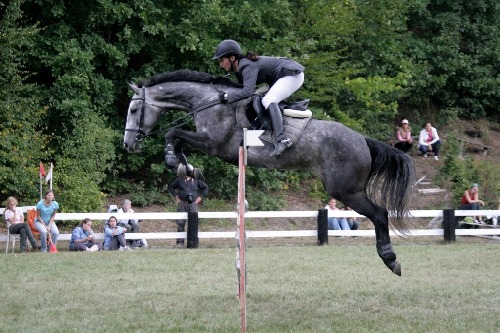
(133, 111)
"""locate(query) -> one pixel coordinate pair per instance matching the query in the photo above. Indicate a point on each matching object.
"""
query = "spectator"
(82, 238)
(188, 193)
(16, 225)
(46, 210)
(131, 225)
(405, 141)
(336, 223)
(470, 201)
(429, 141)
(114, 236)
(353, 224)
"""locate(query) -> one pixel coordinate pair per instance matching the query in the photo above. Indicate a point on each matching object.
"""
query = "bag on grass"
(52, 246)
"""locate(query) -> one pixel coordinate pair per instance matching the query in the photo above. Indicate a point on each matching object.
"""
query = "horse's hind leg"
(379, 216)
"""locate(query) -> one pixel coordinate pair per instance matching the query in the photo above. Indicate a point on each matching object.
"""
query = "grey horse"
(371, 177)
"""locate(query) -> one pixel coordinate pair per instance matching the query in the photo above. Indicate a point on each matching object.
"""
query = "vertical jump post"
(250, 138)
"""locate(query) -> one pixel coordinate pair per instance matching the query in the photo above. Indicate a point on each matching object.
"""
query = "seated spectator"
(82, 238)
(132, 225)
(353, 224)
(114, 236)
(428, 141)
(405, 142)
(336, 223)
(470, 201)
(15, 223)
(46, 210)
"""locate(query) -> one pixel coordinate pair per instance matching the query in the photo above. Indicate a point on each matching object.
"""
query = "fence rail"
(273, 214)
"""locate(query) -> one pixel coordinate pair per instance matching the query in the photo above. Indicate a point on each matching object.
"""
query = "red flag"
(42, 170)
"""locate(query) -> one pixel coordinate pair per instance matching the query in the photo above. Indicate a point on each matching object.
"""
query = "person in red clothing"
(470, 201)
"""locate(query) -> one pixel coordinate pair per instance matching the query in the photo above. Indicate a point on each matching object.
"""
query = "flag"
(42, 170)
(49, 175)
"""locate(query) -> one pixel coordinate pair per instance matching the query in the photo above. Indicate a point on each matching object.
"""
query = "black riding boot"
(281, 141)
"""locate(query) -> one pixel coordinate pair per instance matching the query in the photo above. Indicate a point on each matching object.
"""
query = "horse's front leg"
(176, 138)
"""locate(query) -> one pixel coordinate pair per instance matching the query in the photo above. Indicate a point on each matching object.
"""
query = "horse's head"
(141, 117)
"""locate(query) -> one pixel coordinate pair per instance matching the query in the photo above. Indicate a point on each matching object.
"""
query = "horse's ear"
(133, 87)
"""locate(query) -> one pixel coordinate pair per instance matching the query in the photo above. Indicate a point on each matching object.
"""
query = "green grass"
(444, 288)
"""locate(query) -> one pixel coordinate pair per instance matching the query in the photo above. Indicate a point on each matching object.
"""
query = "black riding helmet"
(227, 48)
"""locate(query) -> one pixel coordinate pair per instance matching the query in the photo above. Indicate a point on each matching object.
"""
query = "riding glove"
(223, 97)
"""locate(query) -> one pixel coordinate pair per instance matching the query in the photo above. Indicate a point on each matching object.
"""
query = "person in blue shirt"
(82, 238)
(46, 210)
(114, 236)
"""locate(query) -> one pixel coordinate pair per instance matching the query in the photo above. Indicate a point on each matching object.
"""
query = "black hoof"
(396, 268)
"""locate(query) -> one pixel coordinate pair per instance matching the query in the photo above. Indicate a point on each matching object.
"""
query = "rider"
(284, 77)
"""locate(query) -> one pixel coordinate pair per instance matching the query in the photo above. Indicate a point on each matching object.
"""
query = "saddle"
(251, 114)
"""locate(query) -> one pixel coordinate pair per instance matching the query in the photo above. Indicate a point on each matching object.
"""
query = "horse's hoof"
(170, 161)
(396, 269)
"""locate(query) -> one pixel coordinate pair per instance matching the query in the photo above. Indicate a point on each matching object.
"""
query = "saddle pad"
(297, 113)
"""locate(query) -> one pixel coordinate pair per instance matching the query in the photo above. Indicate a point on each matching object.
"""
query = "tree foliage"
(65, 65)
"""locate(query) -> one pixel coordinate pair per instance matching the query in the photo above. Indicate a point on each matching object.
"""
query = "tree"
(22, 143)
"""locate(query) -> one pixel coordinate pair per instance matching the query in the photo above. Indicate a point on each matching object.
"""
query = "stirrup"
(280, 146)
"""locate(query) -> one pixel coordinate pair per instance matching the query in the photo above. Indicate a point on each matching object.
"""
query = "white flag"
(49, 175)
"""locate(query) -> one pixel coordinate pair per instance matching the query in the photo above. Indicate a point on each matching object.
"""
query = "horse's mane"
(187, 75)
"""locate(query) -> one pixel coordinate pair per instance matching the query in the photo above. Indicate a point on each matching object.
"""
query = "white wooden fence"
(490, 231)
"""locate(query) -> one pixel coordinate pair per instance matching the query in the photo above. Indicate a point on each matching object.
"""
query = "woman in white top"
(15, 222)
(428, 141)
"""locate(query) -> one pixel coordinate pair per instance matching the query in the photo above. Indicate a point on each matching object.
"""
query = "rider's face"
(225, 63)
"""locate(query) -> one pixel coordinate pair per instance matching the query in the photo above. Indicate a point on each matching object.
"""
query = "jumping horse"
(371, 177)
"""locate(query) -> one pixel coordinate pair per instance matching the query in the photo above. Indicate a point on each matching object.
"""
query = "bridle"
(141, 135)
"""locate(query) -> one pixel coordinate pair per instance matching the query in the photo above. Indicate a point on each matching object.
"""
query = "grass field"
(335, 288)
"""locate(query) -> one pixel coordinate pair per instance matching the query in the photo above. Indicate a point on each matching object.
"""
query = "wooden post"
(449, 225)
(322, 226)
(242, 236)
(192, 230)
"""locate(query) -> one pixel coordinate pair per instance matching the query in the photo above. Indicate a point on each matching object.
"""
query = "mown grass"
(444, 288)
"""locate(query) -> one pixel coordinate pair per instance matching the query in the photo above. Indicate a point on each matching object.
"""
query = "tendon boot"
(281, 141)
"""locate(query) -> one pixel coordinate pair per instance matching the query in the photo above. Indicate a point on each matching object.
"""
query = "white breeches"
(282, 89)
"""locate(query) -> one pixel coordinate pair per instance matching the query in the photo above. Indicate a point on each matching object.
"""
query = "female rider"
(284, 77)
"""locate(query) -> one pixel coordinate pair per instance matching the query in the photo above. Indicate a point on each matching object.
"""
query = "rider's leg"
(280, 90)
(281, 141)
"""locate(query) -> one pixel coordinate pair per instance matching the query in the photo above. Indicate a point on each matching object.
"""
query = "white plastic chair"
(9, 237)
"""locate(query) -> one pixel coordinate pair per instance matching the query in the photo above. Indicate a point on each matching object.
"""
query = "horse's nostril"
(125, 145)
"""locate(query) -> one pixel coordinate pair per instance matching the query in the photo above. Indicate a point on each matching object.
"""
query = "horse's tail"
(390, 182)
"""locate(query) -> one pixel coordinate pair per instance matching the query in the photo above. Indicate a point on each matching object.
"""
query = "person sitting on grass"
(336, 223)
(114, 236)
(470, 201)
(82, 238)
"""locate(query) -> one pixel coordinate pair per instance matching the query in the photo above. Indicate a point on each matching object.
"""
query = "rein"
(141, 135)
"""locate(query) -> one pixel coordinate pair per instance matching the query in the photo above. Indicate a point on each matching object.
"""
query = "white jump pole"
(250, 138)
(241, 239)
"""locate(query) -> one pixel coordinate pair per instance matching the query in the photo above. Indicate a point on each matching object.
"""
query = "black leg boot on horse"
(281, 141)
